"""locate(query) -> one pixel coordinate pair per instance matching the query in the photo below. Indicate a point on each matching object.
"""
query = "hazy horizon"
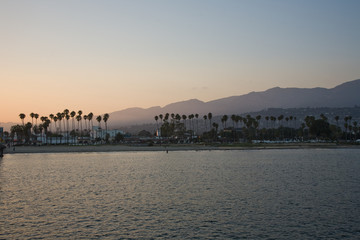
(111, 55)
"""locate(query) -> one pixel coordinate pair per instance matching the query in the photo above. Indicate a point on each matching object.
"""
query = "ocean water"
(251, 194)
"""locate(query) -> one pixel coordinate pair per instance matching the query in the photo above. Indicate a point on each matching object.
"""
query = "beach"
(165, 148)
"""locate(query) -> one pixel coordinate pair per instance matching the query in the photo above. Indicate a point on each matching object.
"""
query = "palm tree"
(59, 118)
(66, 111)
(78, 118)
(197, 122)
(184, 117)
(72, 115)
(32, 115)
(157, 124)
(55, 120)
(36, 117)
(267, 121)
(191, 116)
(46, 124)
(280, 118)
(90, 117)
(79, 113)
(258, 118)
(67, 117)
(105, 119)
(210, 117)
(22, 117)
(216, 126)
(224, 120)
(233, 119)
(98, 118)
(51, 116)
(205, 118)
(166, 117)
(41, 134)
(85, 118)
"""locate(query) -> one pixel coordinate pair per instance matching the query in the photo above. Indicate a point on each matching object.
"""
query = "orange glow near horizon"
(105, 57)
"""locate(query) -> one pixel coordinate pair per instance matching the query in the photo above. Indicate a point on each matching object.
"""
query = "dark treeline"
(72, 127)
(66, 125)
(247, 128)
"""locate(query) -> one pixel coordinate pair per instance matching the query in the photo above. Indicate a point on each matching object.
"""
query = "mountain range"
(346, 95)
(343, 95)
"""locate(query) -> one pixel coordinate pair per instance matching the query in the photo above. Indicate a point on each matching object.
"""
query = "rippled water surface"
(269, 194)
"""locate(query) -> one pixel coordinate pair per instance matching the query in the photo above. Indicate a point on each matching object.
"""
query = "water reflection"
(278, 194)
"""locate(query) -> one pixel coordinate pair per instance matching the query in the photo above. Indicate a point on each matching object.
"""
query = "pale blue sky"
(104, 56)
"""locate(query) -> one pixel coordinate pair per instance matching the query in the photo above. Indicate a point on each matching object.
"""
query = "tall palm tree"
(90, 117)
(67, 117)
(72, 115)
(205, 119)
(62, 118)
(36, 117)
(32, 115)
(191, 127)
(216, 126)
(184, 117)
(55, 120)
(157, 125)
(22, 117)
(197, 122)
(59, 118)
(51, 116)
(78, 118)
(99, 118)
(210, 118)
(267, 121)
(105, 119)
(280, 118)
(66, 111)
(224, 120)
(166, 117)
(258, 118)
(233, 119)
(79, 113)
(85, 118)
(46, 124)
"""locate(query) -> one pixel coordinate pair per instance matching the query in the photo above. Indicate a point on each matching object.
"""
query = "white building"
(100, 133)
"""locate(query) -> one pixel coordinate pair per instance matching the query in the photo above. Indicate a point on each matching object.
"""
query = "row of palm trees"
(270, 123)
(58, 124)
(236, 119)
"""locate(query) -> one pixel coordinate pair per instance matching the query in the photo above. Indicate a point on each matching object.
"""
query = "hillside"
(344, 95)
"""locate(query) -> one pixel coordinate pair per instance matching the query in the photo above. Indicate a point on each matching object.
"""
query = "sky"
(105, 56)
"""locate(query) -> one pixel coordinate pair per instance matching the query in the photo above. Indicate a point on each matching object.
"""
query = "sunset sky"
(104, 56)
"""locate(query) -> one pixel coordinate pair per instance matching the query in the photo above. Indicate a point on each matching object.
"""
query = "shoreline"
(174, 147)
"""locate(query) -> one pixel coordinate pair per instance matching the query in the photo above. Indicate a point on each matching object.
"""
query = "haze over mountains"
(341, 96)
(344, 95)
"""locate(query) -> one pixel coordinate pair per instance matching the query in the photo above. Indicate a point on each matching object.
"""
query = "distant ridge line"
(342, 95)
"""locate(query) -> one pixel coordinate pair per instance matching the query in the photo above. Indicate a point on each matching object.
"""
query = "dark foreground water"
(269, 194)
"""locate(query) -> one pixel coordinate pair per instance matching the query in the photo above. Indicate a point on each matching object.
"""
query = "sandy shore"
(193, 147)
